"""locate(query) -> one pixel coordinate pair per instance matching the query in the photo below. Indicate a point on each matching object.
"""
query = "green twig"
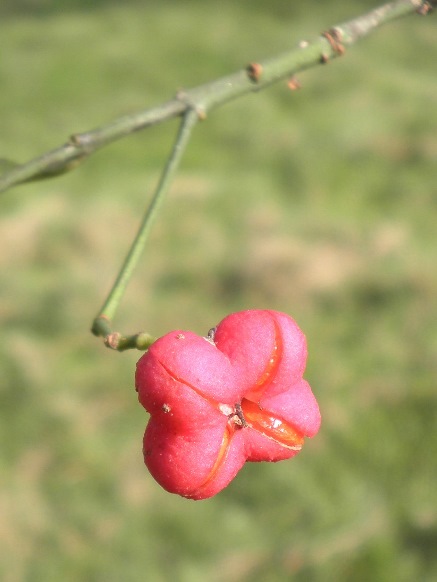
(102, 322)
(204, 98)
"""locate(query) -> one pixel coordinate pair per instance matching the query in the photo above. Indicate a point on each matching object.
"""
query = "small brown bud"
(254, 71)
(293, 84)
(334, 37)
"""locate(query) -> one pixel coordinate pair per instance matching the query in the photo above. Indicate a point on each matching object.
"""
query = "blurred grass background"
(321, 203)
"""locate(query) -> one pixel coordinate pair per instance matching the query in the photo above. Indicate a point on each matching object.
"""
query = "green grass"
(320, 203)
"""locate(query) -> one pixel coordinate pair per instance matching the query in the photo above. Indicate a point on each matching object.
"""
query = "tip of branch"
(425, 8)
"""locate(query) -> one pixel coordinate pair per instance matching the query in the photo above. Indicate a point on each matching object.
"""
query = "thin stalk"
(102, 322)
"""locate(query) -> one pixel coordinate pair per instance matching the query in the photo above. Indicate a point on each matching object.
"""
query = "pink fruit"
(218, 402)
